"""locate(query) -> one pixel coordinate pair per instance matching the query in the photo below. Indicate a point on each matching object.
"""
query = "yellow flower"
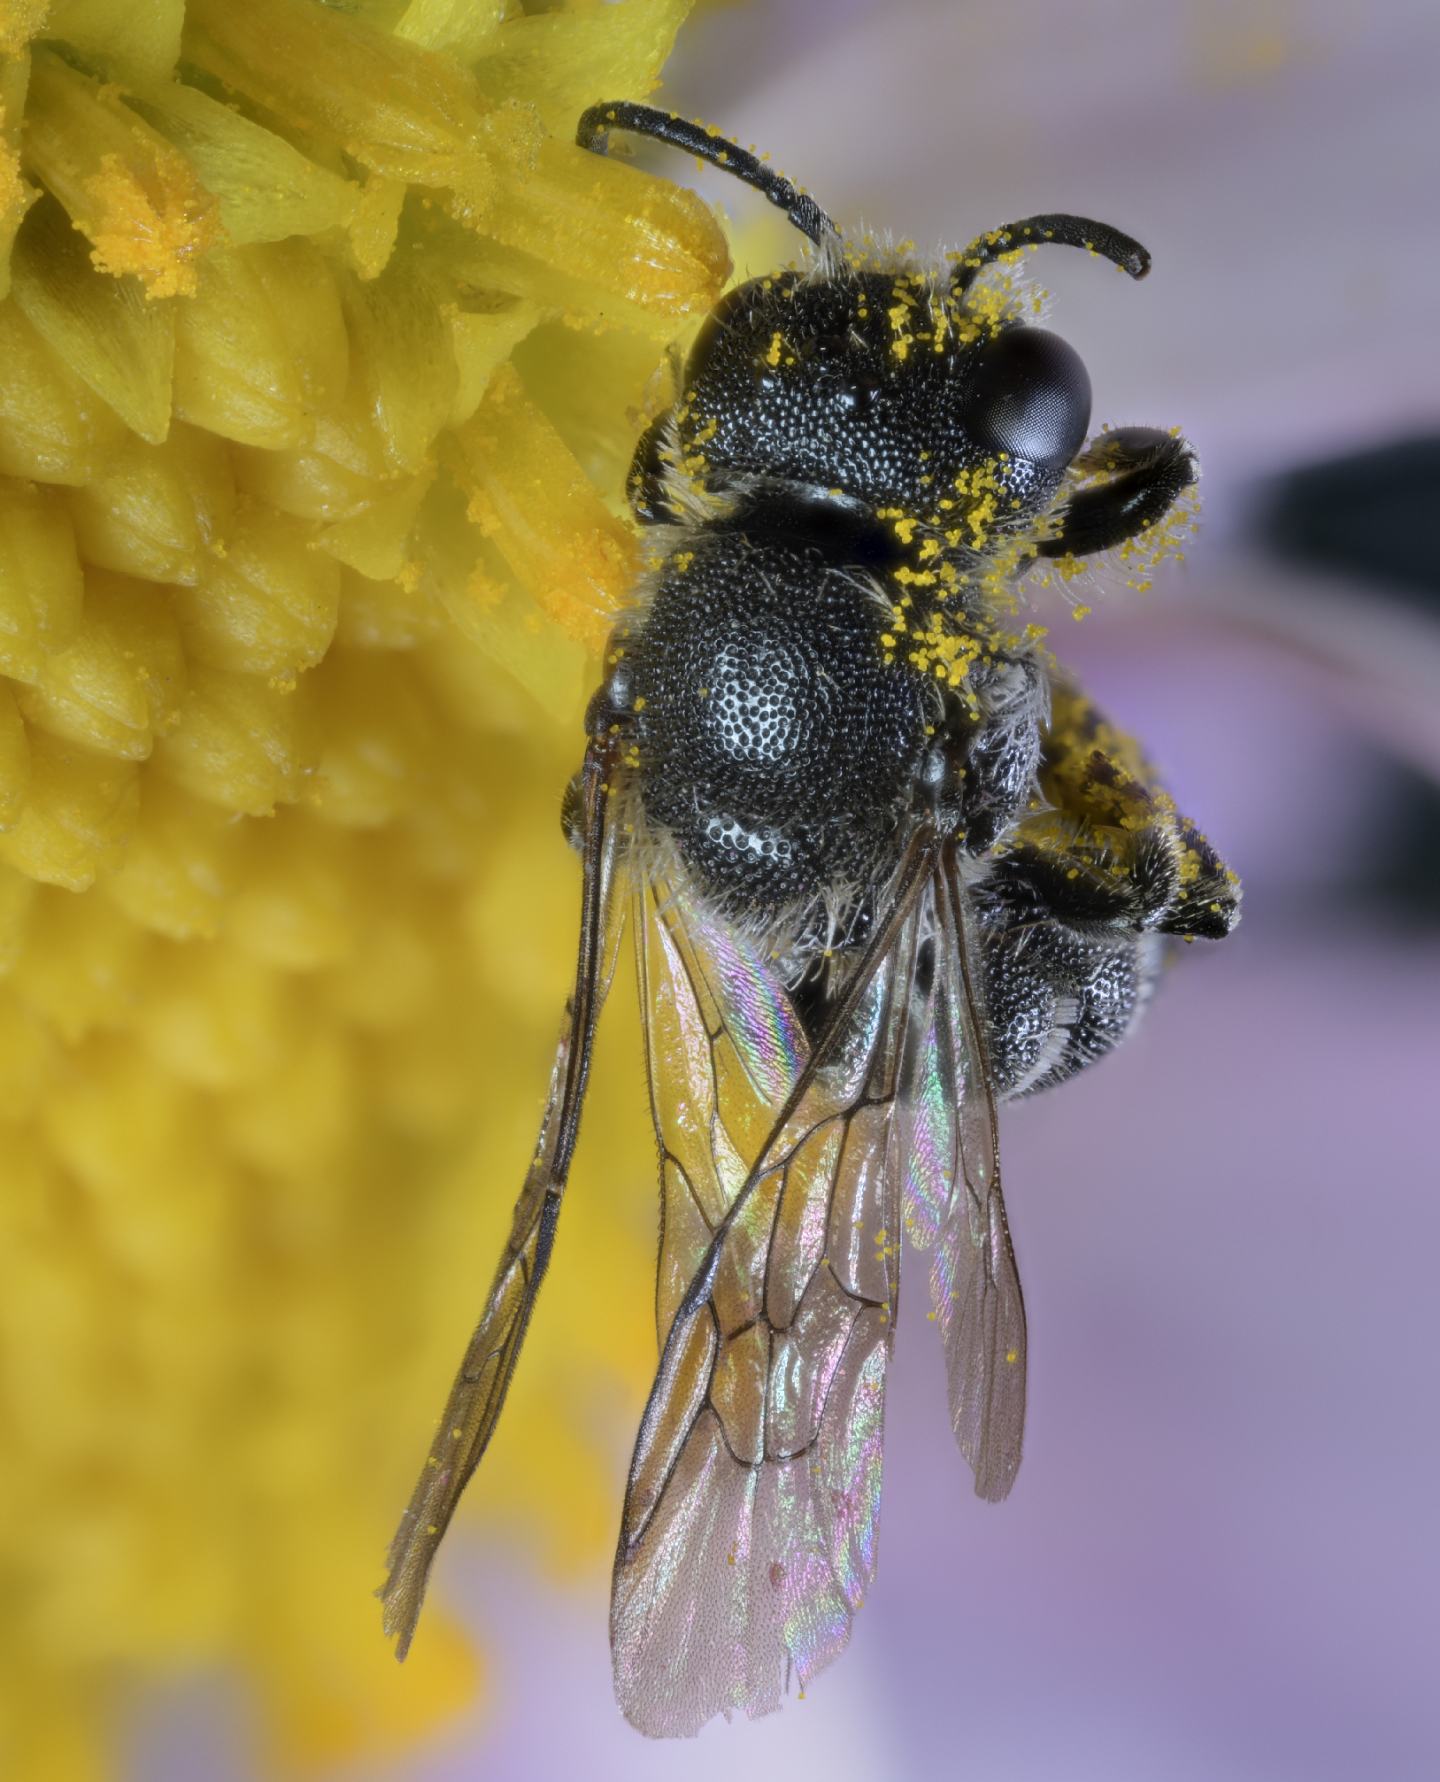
(322, 351)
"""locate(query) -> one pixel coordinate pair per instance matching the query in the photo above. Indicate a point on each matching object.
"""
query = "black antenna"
(696, 139)
(1060, 229)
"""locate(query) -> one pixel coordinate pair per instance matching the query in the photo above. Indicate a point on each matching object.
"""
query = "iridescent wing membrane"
(954, 1201)
(749, 1529)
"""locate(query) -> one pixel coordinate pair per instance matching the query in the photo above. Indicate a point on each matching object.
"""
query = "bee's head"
(917, 395)
(884, 388)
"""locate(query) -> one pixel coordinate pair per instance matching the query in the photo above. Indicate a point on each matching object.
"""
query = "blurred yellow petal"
(121, 682)
(153, 511)
(123, 42)
(77, 817)
(265, 188)
(566, 59)
(16, 193)
(383, 100)
(41, 585)
(104, 329)
(14, 757)
(244, 743)
(53, 427)
(528, 494)
(263, 346)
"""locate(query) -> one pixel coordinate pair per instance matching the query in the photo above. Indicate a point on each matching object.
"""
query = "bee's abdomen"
(777, 743)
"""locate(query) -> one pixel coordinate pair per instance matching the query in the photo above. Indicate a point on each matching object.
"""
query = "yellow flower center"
(322, 353)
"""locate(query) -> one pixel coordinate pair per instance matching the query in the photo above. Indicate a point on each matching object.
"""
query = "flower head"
(322, 349)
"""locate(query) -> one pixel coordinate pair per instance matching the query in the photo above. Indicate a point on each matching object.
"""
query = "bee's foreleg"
(1146, 470)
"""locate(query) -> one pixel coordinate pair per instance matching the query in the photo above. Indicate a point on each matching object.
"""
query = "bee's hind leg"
(1073, 940)
(1061, 989)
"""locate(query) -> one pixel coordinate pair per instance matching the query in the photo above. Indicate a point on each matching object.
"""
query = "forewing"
(478, 1394)
(954, 1199)
(748, 1535)
(723, 1049)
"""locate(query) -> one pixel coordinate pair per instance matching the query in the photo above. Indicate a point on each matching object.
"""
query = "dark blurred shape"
(1407, 861)
(1370, 514)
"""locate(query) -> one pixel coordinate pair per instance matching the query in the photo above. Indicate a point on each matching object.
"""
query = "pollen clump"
(134, 196)
(322, 353)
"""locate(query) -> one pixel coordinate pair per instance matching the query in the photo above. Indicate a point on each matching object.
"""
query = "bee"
(885, 867)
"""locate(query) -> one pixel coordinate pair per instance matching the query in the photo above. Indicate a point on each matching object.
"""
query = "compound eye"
(736, 321)
(1030, 397)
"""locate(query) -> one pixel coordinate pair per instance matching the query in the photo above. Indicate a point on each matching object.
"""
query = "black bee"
(885, 868)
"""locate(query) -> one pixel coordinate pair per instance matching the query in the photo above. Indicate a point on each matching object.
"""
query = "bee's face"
(886, 386)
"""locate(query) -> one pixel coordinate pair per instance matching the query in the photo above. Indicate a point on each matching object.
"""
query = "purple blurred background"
(1221, 1558)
